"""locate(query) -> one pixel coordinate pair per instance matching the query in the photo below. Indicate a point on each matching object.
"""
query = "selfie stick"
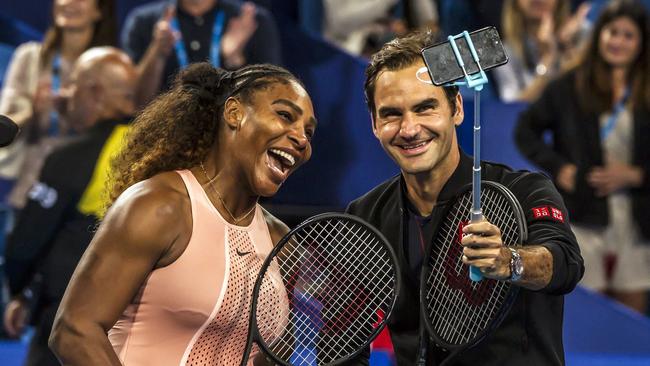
(476, 82)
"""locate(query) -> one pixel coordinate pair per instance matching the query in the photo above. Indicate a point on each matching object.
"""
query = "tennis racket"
(457, 311)
(339, 276)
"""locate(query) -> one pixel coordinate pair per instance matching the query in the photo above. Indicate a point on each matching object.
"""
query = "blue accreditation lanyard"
(217, 31)
(609, 126)
(53, 128)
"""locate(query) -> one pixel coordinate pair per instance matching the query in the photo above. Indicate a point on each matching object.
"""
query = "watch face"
(519, 267)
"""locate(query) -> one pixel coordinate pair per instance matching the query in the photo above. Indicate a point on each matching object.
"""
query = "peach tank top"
(195, 310)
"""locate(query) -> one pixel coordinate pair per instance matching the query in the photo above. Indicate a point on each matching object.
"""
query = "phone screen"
(443, 66)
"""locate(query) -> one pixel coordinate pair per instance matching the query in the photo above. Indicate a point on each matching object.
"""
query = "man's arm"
(484, 249)
(538, 118)
(552, 262)
(149, 43)
(37, 225)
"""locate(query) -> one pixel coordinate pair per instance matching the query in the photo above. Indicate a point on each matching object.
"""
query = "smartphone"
(443, 66)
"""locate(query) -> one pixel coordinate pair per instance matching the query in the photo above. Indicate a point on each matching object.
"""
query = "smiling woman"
(33, 82)
(168, 277)
(597, 114)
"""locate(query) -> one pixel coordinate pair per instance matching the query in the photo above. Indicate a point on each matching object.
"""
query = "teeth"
(287, 157)
(409, 147)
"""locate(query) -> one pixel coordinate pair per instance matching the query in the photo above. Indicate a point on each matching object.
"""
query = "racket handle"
(475, 274)
(422, 347)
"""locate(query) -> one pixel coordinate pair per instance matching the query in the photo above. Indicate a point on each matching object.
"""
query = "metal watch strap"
(516, 265)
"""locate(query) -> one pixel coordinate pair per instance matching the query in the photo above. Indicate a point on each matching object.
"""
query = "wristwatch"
(516, 265)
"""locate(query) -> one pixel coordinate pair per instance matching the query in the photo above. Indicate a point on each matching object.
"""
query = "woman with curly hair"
(168, 277)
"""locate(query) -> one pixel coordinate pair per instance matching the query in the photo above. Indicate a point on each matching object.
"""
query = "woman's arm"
(141, 232)
(542, 116)
(20, 83)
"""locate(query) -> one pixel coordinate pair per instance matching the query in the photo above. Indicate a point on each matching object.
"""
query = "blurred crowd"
(584, 67)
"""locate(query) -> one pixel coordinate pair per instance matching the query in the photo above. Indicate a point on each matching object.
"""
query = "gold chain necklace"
(210, 183)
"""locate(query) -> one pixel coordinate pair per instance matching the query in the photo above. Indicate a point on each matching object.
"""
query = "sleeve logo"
(548, 212)
(43, 194)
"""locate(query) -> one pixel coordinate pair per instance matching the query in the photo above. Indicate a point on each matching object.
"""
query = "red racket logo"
(474, 293)
(317, 273)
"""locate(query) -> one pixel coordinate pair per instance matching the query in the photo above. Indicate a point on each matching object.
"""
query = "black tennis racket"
(340, 283)
(457, 311)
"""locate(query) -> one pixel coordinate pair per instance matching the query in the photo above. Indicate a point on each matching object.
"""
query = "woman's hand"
(566, 178)
(613, 177)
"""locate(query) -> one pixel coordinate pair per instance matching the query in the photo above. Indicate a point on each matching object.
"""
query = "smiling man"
(415, 123)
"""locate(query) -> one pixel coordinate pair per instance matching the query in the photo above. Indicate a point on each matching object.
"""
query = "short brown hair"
(398, 54)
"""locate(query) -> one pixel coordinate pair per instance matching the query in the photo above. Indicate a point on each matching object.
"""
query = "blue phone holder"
(476, 80)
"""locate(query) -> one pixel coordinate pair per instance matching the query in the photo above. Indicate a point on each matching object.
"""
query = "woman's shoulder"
(159, 198)
(31, 49)
(277, 228)
(154, 213)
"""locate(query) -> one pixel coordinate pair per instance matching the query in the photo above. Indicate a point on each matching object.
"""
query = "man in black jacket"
(167, 35)
(415, 123)
(56, 225)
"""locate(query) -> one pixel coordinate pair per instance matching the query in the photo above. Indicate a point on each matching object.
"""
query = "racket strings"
(458, 308)
(337, 276)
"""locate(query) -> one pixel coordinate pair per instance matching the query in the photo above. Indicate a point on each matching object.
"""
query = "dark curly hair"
(177, 129)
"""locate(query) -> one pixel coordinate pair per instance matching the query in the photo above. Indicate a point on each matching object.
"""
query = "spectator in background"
(421, 15)
(538, 35)
(468, 15)
(598, 114)
(165, 36)
(64, 206)
(362, 27)
(32, 82)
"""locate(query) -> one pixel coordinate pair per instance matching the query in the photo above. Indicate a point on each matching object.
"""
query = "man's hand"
(15, 317)
(164, 36)
(484, 249)
(239, 30)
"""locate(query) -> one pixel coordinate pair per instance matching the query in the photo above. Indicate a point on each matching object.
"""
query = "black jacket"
(531, 334)
(58, 222)
(263, 46)
(576, 139)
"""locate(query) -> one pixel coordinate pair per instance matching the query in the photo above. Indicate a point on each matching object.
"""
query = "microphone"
(8, 130)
